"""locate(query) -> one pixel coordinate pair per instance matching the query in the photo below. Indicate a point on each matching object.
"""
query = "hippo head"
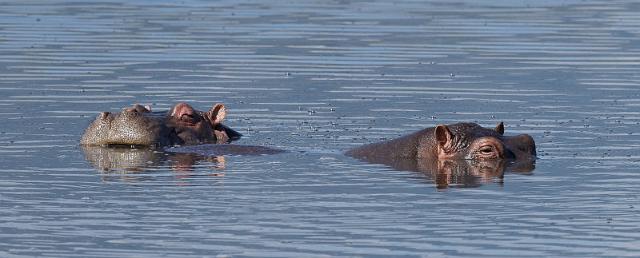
(473, 142)
(194, 127)
(457, 154)
(138, 126)
(133, 126)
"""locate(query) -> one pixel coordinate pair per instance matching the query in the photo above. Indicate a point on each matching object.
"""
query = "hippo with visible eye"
(422, 150)
(197, 127)
(138, 126)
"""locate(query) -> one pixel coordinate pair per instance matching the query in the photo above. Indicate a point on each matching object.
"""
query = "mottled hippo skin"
(138, 126)
(461, 141)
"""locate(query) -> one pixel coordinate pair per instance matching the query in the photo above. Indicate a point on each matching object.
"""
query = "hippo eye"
(190, 118)
(486, 149)
(187, 118)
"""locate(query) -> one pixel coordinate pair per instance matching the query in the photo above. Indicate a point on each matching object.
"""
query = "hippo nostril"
(128, 110)
(104, 115)
(509, 154)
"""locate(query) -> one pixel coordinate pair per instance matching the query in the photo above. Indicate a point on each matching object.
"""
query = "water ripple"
(317, 78)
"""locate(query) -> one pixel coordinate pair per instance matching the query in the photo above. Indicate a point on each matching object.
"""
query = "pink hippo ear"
(443, 136)
(216, 114)
(500, 128)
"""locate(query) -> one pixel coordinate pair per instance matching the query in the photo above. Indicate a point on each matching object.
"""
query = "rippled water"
(316, 78)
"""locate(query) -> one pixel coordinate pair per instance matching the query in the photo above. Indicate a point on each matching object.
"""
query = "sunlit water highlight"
(317, 78)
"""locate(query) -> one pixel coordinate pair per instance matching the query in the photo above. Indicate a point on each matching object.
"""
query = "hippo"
(456, 141)
(436, 150)
(137, 138)
(139, 126)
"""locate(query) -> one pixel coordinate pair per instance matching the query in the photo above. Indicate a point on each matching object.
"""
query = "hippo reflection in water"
(183, 158)
(138, 126)
(461, 153)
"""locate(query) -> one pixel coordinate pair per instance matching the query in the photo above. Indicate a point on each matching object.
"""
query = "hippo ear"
(217, 114)
(443, 135)
(500, 128)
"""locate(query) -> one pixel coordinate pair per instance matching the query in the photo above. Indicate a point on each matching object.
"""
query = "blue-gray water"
(319, 77)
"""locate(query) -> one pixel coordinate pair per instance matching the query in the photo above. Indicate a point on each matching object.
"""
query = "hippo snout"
(523, 146)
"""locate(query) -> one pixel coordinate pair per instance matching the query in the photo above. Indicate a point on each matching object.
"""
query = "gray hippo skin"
(138, 126)
(462, 150)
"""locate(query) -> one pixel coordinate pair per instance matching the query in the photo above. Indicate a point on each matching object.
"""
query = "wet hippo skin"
(464, 148)
(138, 126)
(137, 138)
(456, 141)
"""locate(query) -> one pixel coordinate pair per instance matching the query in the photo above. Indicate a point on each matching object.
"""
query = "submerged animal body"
(139, 126)
(461, 141)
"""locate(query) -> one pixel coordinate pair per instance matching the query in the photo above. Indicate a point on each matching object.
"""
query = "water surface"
(317, 78)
